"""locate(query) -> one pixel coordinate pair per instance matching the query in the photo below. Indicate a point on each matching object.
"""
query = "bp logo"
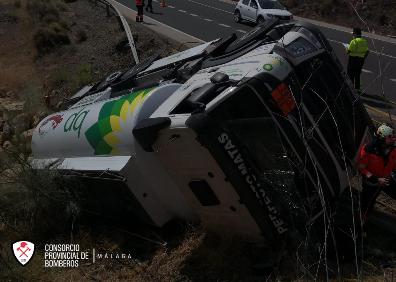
(23, 251)
(114, 120)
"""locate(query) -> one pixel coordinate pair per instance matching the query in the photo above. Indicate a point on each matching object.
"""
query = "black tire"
(260, 20)
(237, 16)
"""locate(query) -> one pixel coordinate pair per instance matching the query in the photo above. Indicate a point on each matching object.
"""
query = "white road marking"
(393, 79)
(169, 6)
(182, 11)
(240, 30)
(371, 51)
(208, 20)
(366, 71)
(224, 25)
(194, 15)
(214, 8)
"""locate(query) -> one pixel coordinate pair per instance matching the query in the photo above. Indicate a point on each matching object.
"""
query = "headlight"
(270, 16)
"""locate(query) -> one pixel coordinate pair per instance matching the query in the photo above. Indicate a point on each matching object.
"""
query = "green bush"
(84, 75)
(81, 36)
(59, 77)
(43, 10)
(47, 38)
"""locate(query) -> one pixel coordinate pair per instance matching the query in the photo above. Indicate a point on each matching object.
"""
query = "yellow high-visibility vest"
(358, 47)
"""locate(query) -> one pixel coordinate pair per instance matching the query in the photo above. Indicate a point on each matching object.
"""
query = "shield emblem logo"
(23, 251)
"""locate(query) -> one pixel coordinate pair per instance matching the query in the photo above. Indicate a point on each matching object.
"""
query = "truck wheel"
(237, 16)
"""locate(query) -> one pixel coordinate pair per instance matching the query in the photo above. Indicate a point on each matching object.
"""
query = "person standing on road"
(357, 51)
(377, 163)
(149, 6)
(139, 7)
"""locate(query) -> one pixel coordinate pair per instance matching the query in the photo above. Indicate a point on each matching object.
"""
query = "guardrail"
(122, 23)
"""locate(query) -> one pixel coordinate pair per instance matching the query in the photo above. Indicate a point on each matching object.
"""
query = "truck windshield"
(245, 117)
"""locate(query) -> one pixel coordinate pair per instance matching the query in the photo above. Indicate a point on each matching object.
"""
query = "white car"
(258, 11)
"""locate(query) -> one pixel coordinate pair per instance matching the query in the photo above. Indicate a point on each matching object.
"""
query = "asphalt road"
(211, 19)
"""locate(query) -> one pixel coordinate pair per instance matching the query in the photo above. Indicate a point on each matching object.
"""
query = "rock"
(8, 145)
(21, 122)
(10, 94)
(27, 135)
(1, 139)
(8, 131)
(11, 108)
(3, 92)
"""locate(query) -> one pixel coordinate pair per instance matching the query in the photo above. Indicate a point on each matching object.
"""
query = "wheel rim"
(236, 17)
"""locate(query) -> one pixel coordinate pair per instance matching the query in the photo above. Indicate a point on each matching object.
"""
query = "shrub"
(49, 37)
(84, 75)
(81, 36)
(43, 10)
(59, 77)
(29, 198)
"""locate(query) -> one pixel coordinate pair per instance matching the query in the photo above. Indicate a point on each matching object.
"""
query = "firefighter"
(357, 51)
(139, 7)
(377, 163)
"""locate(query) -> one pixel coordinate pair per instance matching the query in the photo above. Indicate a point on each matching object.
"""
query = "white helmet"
(384, 131)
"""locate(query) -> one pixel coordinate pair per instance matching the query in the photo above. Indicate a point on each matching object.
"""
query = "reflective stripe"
(358, 47)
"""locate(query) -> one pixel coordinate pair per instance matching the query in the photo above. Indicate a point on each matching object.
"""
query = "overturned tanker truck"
(255, 136)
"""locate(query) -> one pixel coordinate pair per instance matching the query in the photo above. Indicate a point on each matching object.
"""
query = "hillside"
(377, 16)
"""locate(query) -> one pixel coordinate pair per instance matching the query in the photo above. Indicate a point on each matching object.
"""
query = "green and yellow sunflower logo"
(105, 136)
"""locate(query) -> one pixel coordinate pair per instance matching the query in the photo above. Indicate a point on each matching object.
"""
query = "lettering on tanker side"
(75, 121)
(106, 135)
(251, 181)
(223, 138)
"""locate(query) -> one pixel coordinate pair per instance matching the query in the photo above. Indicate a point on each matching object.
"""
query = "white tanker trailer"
(255, 135)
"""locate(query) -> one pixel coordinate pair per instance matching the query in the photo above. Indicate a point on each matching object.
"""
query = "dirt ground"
(190, 254)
